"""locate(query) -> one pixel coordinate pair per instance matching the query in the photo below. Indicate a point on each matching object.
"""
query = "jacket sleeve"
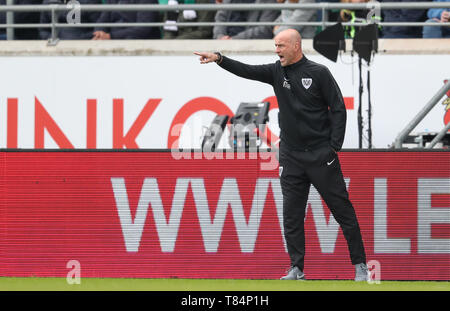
(139, 32)
(262, 73)
(337, 111)
(435, 13)
(293, 16)
(260, 32)
(220, 31)
(105, 17)
(88, 17)
(202, 16)
(201, 32)
(297, 16)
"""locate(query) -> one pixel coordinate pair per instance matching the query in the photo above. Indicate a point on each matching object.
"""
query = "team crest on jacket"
(306, 82)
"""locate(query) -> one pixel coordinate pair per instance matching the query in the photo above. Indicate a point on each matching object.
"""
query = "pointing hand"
(206, 57)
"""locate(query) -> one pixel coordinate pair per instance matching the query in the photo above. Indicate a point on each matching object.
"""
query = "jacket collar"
(299, 63)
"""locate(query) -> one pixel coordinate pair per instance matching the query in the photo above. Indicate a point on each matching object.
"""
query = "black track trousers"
(321, 168)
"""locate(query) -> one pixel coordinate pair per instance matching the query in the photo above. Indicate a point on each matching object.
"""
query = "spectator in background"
(437, 16)
(333, 14)
(22, 18)
(403, 15)
(72, 33)
(171, 31)
(353, 16)
(107, 33)
(239, 32)
(299, 15)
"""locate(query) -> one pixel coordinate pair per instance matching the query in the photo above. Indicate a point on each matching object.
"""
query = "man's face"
(286, 50)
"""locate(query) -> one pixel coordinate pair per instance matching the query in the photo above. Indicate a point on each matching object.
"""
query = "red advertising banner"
(158, 214)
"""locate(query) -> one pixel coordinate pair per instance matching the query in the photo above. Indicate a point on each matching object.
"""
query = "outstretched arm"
(262, 73)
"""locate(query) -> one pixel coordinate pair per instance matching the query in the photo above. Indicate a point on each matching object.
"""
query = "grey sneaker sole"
(299, 278)
(361, 279)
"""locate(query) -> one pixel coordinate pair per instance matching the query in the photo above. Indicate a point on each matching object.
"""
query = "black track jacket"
(312, 111)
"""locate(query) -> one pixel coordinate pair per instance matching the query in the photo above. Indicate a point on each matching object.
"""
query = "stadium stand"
(171, 31)
(403, 15)
(238, 32)
(105, 33)
(297, 16)
(166, 27)
(70, 33)
(22, 18)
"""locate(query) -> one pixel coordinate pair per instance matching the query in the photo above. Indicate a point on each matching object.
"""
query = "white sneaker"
(294, 273)
(361, 272)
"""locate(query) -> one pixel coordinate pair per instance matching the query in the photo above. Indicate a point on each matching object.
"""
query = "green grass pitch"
(116, 284)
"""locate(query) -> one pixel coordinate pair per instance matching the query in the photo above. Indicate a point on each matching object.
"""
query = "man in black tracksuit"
(312, 122)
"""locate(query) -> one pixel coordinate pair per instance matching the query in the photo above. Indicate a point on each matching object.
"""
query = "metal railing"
(439, 137)
(324, 7)
(398, 143)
